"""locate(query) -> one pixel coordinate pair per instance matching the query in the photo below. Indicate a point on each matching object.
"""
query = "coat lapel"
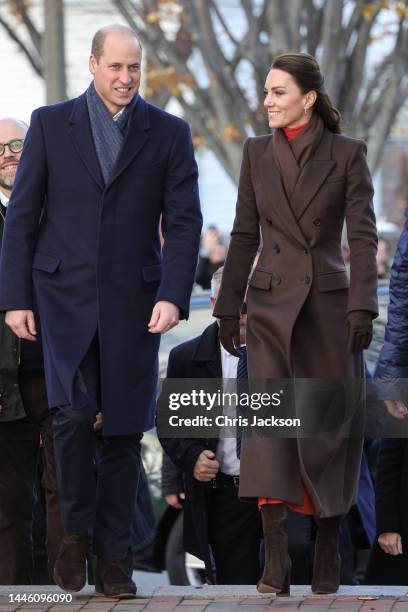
(208, 351)
(136, 137)
(83, 140)
(313, 175)
(274, 193)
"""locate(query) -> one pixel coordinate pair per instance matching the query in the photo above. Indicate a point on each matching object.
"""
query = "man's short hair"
(99, 38)
(216, 282)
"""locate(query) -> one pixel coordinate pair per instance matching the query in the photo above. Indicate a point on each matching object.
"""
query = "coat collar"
(313, 175)
(208, 350)
(310, 180)
(83, 140)
(135, 138)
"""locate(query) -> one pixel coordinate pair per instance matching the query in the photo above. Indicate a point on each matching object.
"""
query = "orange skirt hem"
(305, 508)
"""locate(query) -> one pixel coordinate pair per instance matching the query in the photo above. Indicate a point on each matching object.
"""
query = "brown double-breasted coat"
(298, 298)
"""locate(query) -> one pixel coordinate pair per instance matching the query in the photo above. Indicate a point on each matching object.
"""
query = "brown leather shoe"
(113, 578)
(327, 562)
(70, 566)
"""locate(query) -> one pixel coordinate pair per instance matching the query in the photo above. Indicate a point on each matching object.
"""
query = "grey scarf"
(108, 134)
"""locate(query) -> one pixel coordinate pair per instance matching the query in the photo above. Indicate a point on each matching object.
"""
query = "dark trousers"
(144, 520)
(19, 450)
(105, 504)
(235, 533)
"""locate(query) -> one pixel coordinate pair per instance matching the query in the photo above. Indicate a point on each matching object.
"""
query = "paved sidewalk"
(209, 598)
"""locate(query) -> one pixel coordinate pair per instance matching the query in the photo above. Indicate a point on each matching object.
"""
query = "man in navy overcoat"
(98, 176)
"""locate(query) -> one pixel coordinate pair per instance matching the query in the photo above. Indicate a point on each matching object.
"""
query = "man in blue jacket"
(97, 176)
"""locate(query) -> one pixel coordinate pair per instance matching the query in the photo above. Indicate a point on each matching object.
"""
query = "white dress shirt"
(226, 453)
(3, 199)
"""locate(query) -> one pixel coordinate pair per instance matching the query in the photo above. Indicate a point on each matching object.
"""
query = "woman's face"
(285, 102)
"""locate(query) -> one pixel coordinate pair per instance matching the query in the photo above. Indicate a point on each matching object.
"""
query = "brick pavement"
(208, 598)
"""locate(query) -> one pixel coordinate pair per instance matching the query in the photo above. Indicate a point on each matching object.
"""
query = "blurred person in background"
(383, 258)
(211, 236)
(209, 262)
(25, 418)
(389, 559)
(388, 563)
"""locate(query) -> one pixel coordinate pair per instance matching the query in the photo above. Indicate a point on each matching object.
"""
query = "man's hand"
(396, 409)
(97, 426)
(390, 543)
(173, 499)
(229, 335)
(22, 323)
(165, 315)
(206, 467)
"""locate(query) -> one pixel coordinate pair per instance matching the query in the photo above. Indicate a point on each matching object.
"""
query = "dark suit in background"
(214, 518)
(392, 513)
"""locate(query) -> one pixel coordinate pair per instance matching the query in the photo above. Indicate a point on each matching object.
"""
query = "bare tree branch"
(34, 61)
(214, 7)
(332, 52)
(35, 36)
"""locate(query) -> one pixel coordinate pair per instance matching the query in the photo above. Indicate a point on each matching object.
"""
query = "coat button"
(316, 222)
(268, 220)
(276, 280)
(306, 251)
(276, 248)
(307, 280)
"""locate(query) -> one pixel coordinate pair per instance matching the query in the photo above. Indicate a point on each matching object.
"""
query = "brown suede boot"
(276, 574)
(70, 566)
(114, 577)
(326, 565)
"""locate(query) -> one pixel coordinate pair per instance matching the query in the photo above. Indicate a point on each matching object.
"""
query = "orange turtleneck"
(292, 132)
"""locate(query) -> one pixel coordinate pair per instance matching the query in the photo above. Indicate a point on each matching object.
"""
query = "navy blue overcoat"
(88, 254)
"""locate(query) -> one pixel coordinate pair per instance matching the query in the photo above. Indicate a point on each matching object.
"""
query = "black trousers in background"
(19, 450)
(105, 505)
(235, 533)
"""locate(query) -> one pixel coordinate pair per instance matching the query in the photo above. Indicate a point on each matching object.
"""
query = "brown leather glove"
(229, 334)
(359, 326)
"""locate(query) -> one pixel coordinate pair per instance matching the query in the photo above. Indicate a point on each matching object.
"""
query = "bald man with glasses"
(24, 416)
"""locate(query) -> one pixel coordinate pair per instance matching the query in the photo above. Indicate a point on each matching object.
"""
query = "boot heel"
(285, 592)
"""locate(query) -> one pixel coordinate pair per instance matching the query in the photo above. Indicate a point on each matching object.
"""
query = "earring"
(305, 109)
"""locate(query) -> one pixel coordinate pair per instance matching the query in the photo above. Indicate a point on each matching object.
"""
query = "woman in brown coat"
(305, 318)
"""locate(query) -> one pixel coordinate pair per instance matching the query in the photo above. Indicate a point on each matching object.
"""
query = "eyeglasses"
(15, 146)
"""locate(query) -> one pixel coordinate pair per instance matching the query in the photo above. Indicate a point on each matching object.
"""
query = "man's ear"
(92, 64)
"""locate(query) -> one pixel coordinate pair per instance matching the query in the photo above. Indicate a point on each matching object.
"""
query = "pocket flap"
(260, 280)
(46, 263)
(152, 274)
(332, 281)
